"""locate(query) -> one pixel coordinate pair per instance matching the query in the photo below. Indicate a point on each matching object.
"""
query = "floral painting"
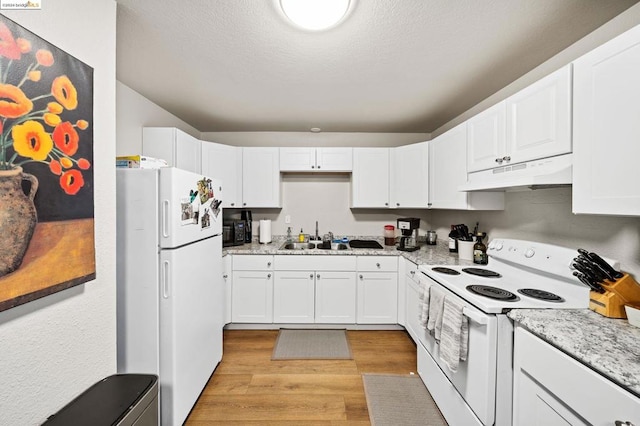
(46, 168)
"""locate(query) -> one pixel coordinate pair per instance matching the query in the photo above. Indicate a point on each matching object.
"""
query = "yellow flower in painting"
(65, 92)
(51, 119)
(34, 75)
(54, 108)
(23, 45)
(66, 163)
(44, 58)
(82, 124)
(13, 101)
(31, 141)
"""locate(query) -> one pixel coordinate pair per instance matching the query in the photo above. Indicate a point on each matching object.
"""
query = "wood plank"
(310, 384)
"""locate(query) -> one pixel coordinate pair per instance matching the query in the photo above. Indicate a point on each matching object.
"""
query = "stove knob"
(499, 245)
(491, 245)
(529, 253)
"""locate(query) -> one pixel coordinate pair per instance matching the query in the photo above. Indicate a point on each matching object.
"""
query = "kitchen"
(83, 320)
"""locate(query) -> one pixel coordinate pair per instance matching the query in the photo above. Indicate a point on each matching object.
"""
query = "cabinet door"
(539, 119)
(227, 275)
(448, 169)
(335, 297)
(260, 177)
(297, 159)
(293, 297)
(224, 162)
(178, 148)
(377, 298)
(252, 298)
(607, 129)
(409, 186)
(370, 178)
(486, 136)
(334, 159)
(188, 152)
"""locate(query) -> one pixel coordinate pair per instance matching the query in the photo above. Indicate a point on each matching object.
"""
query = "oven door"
(475, 380)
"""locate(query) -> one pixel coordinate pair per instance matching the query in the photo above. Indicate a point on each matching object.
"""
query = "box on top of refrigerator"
(139, 162)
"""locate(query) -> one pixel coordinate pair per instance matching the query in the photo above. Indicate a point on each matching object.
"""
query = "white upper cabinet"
(409, 180)
(448, 170)
(260, 177)
(224, 162)
(534, 123)
(370, 179)
(539, 118)
(606, 129)
(178, 148)
(316, 159)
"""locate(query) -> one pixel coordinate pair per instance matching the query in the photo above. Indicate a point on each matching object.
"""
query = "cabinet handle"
(268, 276)
(499, 160)
(413, 272)
(429, 204)
(621, 423)
(244, 204)
(386, 204)
(398, 204)
(318, 276)
(225, 276)
(506, 158)
(318, 166)
(378, 265)
(232, 204)
(311, 276)
(361, 277)
(268, 264)
(313, 167)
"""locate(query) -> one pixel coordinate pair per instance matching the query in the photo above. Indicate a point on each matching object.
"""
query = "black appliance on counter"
(234, 233)
(246, 216)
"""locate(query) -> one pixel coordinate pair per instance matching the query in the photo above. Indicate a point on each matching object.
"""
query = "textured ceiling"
(391, 66)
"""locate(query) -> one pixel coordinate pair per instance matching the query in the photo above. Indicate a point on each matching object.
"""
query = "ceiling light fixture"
(315, 15)
(315, 129)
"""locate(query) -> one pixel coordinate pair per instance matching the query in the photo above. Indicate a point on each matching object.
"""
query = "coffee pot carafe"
(409, 229)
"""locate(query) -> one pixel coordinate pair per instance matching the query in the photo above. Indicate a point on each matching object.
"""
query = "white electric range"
(519, 275)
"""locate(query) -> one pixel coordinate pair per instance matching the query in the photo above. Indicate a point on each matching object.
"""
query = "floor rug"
(311, 344)
(396, 400)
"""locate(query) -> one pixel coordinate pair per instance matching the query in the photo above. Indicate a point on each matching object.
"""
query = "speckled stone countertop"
(609, 346)
(429, 255)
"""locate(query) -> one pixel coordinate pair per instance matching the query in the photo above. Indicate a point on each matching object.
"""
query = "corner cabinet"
(260, 177)
(178, 148)
(252, 289)
(224, 162)
(448, 171)
(606, 132)
(316, 159)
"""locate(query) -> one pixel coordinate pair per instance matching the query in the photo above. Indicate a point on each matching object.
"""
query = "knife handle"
(602, 263)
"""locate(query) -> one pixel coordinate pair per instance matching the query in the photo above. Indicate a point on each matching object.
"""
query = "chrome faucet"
(317, 235)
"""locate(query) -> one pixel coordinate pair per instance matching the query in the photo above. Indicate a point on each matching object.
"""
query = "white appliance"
(170, 295)
(520, 274)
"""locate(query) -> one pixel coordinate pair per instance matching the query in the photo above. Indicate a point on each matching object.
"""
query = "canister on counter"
(389, 235)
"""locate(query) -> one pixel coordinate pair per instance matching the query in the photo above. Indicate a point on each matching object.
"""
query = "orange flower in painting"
(55, 167)
(82, 124)
(83, 163)
(51, 119)
(35, 75)
(23, 45)
(31, 141)
(66, 138)
(65, 92)
(8, 46)
(66, 163)
(44, 58)
(54, 108)
(13, 102)
(71, 181)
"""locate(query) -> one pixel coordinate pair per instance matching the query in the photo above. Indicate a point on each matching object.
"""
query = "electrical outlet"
(287, 219)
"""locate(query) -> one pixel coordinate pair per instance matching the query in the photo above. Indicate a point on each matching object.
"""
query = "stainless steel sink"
(297, 246)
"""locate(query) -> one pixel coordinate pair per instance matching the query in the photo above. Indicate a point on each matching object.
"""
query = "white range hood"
(543, 173)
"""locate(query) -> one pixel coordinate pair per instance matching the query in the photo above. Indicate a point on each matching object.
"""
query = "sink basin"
(298, 246)
(334, 246)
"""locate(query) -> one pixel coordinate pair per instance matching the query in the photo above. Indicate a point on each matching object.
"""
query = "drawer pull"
(361, 277)
(378, 265)
(268, 264)
(311, 276)
(318, 276)
(268, 276)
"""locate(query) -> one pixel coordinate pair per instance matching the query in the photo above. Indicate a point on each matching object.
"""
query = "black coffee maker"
(409, 226)
(246, 216)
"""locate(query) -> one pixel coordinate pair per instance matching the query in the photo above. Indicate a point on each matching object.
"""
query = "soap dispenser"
(301, 236)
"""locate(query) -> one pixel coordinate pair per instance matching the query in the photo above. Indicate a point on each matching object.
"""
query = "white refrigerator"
(170, 294)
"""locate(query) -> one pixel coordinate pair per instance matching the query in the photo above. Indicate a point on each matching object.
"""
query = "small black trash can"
(121, 399)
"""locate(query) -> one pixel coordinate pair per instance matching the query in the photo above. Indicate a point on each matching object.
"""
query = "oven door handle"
(482, 320)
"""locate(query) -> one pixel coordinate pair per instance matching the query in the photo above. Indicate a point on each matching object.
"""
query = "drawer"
(252, 262)
(377, 263)
(314, 263)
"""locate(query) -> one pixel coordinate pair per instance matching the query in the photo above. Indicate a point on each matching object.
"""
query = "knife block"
(624, 291)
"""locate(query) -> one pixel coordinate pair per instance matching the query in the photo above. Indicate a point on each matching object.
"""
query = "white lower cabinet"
(227, 273)
(412, 299)
(335, 297)
(552, 388)
(294, 297)
(252, 289)
(377, 290)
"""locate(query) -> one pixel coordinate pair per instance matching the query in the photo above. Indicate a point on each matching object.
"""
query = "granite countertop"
(609, 346)
(427, 255)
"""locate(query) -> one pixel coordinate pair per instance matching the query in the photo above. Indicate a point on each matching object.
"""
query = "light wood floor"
(248, 388)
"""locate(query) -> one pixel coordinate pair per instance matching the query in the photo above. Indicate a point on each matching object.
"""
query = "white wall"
(134, 112)
(55, 347)
(322, 139)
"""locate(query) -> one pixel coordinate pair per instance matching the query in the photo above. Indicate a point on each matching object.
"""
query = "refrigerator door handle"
(165, 218)
(166, 290)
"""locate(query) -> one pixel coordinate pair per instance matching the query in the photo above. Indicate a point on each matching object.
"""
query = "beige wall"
(55, 347)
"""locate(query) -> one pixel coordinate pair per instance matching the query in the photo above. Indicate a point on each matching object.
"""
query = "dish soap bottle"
(301, 236)
(453, 240)
(480, 250)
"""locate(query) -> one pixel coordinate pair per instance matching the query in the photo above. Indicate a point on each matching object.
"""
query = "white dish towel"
(423, 304)
(436, 306)
(454, 339)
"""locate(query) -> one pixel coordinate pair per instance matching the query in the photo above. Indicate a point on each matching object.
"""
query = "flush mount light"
(315, 15)
(315, 129)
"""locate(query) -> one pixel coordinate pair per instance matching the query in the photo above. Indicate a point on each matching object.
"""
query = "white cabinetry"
(335, 297)
(294, 297)
(448, 171)
(606, 129)
(316, 159)
(409, 177)
(260, 177)
(252, 294)
(552, 388)
(224, 162)
(412, 298)
(227, 273)
(370, 178)
(178, 148)
(377, 290)
(534, 123)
